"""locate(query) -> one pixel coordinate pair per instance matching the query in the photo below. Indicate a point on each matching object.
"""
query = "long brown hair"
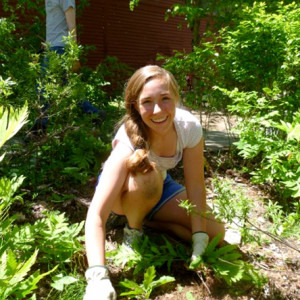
(135, 127)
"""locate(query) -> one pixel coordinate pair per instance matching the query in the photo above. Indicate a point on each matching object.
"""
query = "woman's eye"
(166, 98)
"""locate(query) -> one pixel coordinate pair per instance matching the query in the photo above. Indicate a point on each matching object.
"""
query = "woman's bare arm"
(193, 161)
(108, 191)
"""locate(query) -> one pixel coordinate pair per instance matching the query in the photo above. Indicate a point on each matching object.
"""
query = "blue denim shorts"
(171, 188)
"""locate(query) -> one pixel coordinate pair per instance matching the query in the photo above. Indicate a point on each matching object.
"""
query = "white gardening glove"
(200, 242)
(99, 286)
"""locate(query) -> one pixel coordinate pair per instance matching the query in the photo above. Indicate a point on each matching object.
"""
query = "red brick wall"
(135, 37)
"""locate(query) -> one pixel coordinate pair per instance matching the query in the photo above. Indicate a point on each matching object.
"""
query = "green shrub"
(15, 280)
(46, 243)
(262, 53)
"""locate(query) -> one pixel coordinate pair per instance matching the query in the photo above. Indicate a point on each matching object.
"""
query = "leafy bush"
(15, 60)
(251, 67)
(55, 155)
(232, 206)
(197, 74)
(55, 239)
(262, 52)
(147, 254)
(261, 48)
(13, 272)
(115, 73)
(227, 265)
(58, 153)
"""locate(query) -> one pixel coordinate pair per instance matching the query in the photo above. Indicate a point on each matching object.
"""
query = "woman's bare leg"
(173, 218)
(139, 196)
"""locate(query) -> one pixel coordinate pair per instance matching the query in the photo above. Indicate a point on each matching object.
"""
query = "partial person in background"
(154, 136)
(60, 23)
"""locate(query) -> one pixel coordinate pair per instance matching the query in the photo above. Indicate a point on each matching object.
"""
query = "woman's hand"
(99, 286)
(200, 242)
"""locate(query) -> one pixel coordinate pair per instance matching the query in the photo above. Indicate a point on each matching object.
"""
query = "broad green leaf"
(30, 284)
(11, 122)
(162, 280)
(295, 133)
(212, 245)
(60, 281)
(225, 249)
(129, 284)
(170, 247)
(133, 286)
(149, 277)
(231, 257)
(22, 271)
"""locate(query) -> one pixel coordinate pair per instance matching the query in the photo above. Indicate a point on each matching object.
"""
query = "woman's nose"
(156, 109)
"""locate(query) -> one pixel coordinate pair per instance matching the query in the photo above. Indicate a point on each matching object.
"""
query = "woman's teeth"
(159, 120)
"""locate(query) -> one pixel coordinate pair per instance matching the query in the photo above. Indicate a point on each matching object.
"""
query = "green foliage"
(5, 89)
(13, 272)
(225, 261)
(251, 67)
(216, 14)
(269, 133)
(55, 238)
(188, 206)
(60, 281)
(262, 54)
(15, 60)
(148, 253)
(75, 144)
(196, 74)
(57, 242)
(261, 48)
(114, 74)
(13, 275)
(8, 189)
(144, 290)
(67, 287)
(133, 4)
(227, 264)
(11, 122)
(284, 223)
(233, 207)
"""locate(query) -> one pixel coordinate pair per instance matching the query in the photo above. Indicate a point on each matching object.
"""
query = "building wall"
(134, 37)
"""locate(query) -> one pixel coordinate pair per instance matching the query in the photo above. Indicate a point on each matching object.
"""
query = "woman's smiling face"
(157, 106)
